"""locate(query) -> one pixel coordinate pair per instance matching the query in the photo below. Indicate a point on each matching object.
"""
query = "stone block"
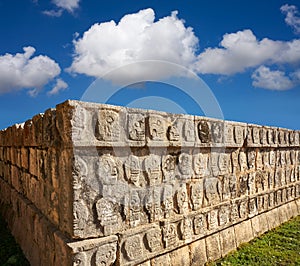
(161, 260)
(180, 257)
(243, 232)
(213, 247)
(198, 252)
(227, 240)
(273, 218)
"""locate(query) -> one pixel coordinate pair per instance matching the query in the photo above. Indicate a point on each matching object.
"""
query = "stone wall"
(93, 184)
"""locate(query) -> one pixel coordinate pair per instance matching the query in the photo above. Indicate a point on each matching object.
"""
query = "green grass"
(10, 252)
(280, 246)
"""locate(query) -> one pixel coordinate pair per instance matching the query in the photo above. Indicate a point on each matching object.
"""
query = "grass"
(280, 246)
(10, 252)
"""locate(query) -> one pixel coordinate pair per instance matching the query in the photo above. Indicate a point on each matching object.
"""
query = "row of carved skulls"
(185, 166)
(108, 128)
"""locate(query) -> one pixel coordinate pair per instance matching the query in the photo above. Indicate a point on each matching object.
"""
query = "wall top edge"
(73, 104)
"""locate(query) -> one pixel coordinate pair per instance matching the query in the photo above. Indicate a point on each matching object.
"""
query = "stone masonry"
(94, 184)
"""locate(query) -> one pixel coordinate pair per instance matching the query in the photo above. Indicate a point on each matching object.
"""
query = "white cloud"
(137, 37)
(24, 71)
(265, 78)
(59, 86)
(292, 19)
(53, 13)
(69, 5)
(243, 50)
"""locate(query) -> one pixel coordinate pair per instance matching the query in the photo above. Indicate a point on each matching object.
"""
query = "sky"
(245, 56)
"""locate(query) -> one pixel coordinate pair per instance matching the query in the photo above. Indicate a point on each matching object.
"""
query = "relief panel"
(107, 126)
(136, 127)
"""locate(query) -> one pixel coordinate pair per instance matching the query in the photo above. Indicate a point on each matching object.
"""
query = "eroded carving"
(224, 163)
(133, 247)
(189, 131)
(106, 254)
(168, 201)
(79, 122)
(132, 169)
(186, 227)
(252, 207)
(243, 161)
(204, 132)
(80, 259)
(107, 170)
(157, 127)
(212, 188)
(181, 199)
(239, 135)
(217, 132)
(108, 215)
(173, 133)
(213, 219)
(133, 208)
(168, 168)
(197, 195)
(243, 185)
(169, 235)
(153, 204)
(256, 135)
(200, 164)
(108, 126)
(152, 167)
(224, 215)
(200, 224)
(136, 127)
(185, 165)
(153, 240)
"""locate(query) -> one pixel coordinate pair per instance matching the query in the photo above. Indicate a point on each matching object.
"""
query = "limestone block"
(198, 253)
(204, 136)
(161, 260)
(33, 162)
(180, 257)
(254, 135)
(213, 247)
(273, 218)
(99, 251)
(243, 232)
(227, 240)
(139, 245)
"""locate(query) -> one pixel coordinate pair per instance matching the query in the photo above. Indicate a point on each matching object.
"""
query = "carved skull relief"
(108, 126)
(132, 169)
(136, 126)
(204, 132)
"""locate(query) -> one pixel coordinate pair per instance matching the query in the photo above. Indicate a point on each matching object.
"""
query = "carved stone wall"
(93, 184)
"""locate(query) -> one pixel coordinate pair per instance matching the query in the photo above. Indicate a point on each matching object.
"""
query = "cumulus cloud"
(242, 50)
(137, 37)
(264, 77)
(68, 5)
(22, 70)
(292, 17)
(59, 86)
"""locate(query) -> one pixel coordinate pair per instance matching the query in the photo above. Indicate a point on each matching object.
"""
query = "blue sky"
(247, 53)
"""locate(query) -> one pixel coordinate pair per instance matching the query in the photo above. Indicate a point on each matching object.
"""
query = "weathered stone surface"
(175, 189)
(243, 232)
(227, 241)
(198, 253)
(213, 247)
